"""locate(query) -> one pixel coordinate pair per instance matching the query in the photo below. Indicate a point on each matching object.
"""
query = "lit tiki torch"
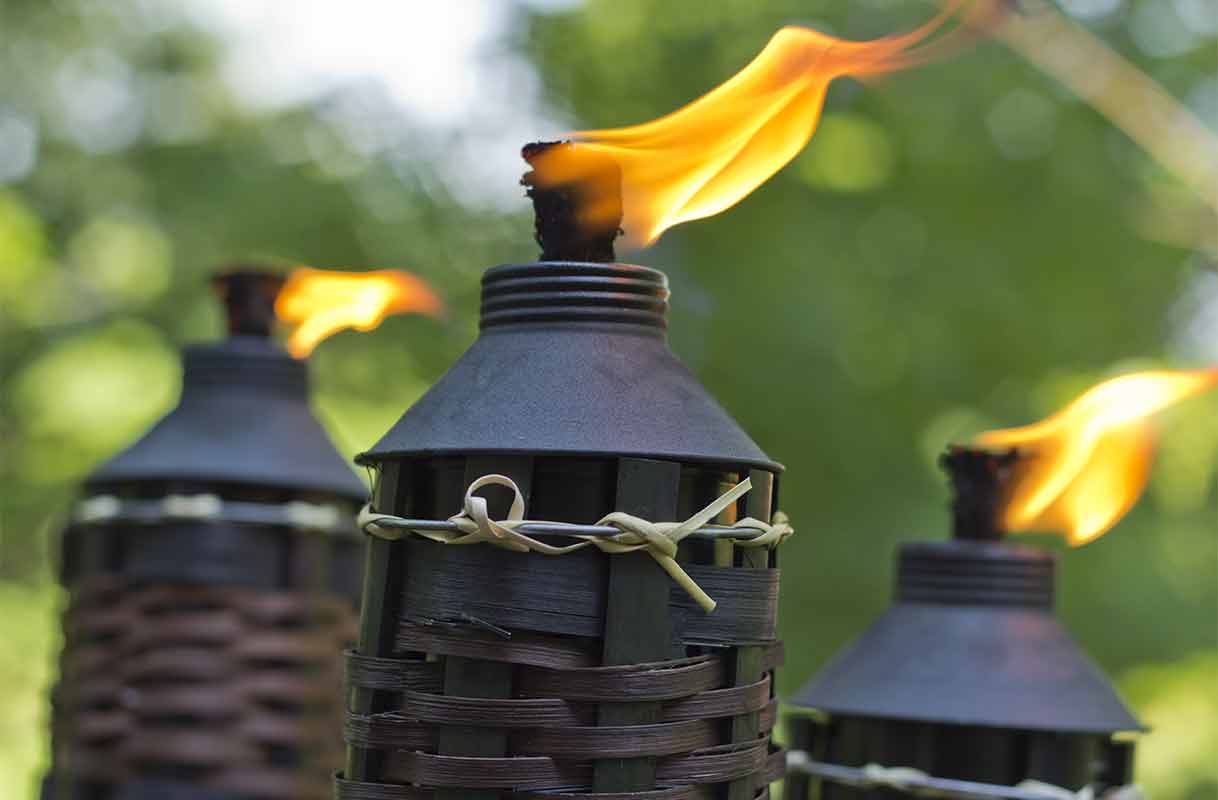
(607, 625)
(968, 687)
(213, 569)
(570, 578)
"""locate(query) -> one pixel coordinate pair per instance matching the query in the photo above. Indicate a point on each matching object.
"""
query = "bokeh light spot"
(1022, 125)
(127, 261)
(18, 145)
(1178, 702)
(849, 153)
(96, 390)
(22, 248)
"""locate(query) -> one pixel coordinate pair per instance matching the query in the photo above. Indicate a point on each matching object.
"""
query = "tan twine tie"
(659, 539)
(908, 778)
(915, 782)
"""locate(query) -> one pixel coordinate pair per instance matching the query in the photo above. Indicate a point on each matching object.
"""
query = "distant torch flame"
(1084, 467)
(320, 303)
(706, 157)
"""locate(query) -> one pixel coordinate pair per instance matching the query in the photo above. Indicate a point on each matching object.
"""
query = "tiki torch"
(968, 686)
(570, 581)
(213, 570)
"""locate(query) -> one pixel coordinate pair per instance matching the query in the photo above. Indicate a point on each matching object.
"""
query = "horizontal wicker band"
(656, 681)
(553, 727)
(359, 790)
(538, 733)
(703, 791)
(531, 592)
(678, 680)
(392, 674)
(712, 765)
(521, 648)
(236, 688)
(542, 712)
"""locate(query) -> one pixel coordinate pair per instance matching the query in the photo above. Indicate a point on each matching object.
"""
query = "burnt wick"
(577, 201)
(248, 293)
(980, 482)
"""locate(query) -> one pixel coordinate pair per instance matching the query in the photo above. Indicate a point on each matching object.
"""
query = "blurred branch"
(1168, 131)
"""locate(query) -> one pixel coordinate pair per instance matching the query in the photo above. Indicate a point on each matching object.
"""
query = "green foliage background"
(962, 246)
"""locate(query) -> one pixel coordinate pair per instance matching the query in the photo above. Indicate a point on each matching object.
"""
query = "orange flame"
(706, 157)
(320, 302)
(1086, 465)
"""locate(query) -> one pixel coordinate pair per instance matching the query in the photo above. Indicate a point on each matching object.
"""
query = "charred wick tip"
(979, 480)
(563, 233)
(248, 293)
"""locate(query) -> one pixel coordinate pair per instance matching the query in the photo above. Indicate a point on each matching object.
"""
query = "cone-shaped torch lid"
(572, 360)
(971, 640)
(243, 417)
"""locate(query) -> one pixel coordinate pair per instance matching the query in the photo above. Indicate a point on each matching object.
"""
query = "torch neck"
(241, 363)
(551, 292)
(974, 573)
(979, 482)
(248, 295)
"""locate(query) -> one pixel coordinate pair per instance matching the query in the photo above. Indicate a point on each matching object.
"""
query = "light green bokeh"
(126, 262)
(89, 393)
(30, 636)
(848, 153)
(1178, 759)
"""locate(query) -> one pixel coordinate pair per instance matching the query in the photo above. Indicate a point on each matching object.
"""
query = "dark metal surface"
(971, 641)
(974, 573)
(572, 359)
(243, 418)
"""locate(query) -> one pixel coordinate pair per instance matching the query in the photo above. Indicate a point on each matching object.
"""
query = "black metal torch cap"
(243, 417)
(572, 359)
(971, 640)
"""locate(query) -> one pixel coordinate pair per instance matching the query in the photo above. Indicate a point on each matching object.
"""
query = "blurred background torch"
(968, 686)
(213, 568)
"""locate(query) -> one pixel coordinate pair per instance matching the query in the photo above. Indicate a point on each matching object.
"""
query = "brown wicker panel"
(550, 723)
(236, 689)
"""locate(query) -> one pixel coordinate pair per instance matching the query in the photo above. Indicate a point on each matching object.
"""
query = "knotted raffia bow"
(659, 539)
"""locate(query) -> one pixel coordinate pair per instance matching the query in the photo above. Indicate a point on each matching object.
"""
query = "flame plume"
(320, 302)
(1082, 468)
(706, 157)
